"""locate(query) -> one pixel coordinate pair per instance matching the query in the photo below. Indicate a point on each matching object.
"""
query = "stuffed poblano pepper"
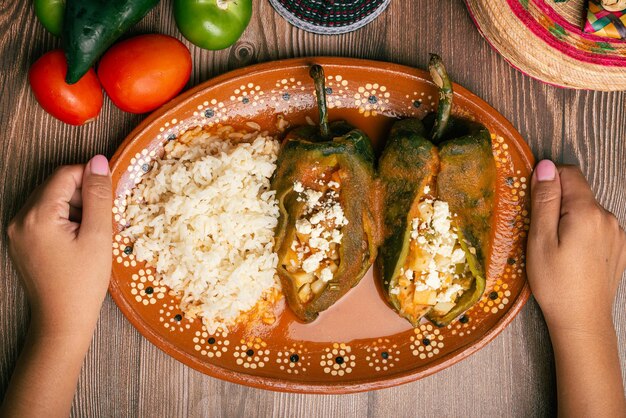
(438, 196)
(326, 238)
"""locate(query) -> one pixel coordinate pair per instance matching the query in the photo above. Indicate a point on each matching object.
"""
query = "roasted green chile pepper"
(407, 166)
(415, 174)
(467, 182)
(91, 26)
(335, 165)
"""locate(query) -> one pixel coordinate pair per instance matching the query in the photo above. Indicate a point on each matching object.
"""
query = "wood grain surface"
(124, 375)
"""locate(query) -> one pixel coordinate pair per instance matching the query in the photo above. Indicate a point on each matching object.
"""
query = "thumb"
(545, 204)
(97, 199)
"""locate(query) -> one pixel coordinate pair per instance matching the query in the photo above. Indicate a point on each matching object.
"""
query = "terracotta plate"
(359, 343)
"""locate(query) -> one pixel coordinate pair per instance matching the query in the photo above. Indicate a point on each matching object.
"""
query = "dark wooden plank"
(124, 375)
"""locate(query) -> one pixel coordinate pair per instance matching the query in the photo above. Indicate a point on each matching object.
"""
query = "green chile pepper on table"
(212, 24)
(335, 165)
(418, 177)
(91, 26)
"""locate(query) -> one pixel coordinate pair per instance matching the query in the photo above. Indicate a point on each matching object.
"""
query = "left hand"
(60, 243)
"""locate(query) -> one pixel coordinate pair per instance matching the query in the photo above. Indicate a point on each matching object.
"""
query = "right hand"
(576, 250)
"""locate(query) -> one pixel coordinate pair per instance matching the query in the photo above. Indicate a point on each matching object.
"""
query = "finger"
(77, 198)
(76, 214)
(623, 259)
(619, 245)
(97, 200)
(62, 184)
(545, 204)
(72, 228)
(50, 199)
(576, 190)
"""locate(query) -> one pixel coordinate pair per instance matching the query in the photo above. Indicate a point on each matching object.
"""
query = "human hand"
(60, 243)
(576, 251)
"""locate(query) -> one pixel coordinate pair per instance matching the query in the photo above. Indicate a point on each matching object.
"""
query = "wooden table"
(124, 375)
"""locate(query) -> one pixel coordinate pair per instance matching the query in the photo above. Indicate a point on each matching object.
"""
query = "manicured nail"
(99, 165)
(545, 170)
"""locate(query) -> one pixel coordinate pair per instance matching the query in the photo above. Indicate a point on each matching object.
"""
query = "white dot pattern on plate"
(294, 359)
(338, 360)
(427, 341)
(252, 354)
(382, 355)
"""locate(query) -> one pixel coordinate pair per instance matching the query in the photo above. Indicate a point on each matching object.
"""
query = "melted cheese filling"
(313, 256)
(435, 273)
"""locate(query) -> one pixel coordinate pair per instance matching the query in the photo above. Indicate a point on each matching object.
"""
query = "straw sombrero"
(329, 17)
(544, 39)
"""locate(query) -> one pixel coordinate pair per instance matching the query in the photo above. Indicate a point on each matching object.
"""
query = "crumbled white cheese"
(419, 286)
(317, 230)
(312, 263)
(432, 279)
(446, 247)
(449, 295)
(336, 213)
(317, 218)
(326, 275)
(458, 256)
(395, 291)
(438, 242)
(426, 189)
(303, 226)
(322, 220)
(441, 217)
(425, 209)
(312, 197)
(319, 243)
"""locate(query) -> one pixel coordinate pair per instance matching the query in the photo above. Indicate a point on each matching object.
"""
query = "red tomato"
(141, 73)
(76, 103)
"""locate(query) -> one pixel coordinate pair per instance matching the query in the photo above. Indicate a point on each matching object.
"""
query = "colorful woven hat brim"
(541, 43)
(329, 17)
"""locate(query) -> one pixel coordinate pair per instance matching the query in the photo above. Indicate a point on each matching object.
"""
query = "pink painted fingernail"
(99, 165)
(545, 170)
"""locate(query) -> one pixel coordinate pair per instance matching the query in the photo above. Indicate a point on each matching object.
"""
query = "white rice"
(204, 218)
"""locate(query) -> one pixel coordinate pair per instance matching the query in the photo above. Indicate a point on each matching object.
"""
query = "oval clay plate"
(360, 343)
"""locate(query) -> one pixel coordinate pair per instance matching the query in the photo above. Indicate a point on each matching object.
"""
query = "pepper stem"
(317, 74)
(441, 79)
